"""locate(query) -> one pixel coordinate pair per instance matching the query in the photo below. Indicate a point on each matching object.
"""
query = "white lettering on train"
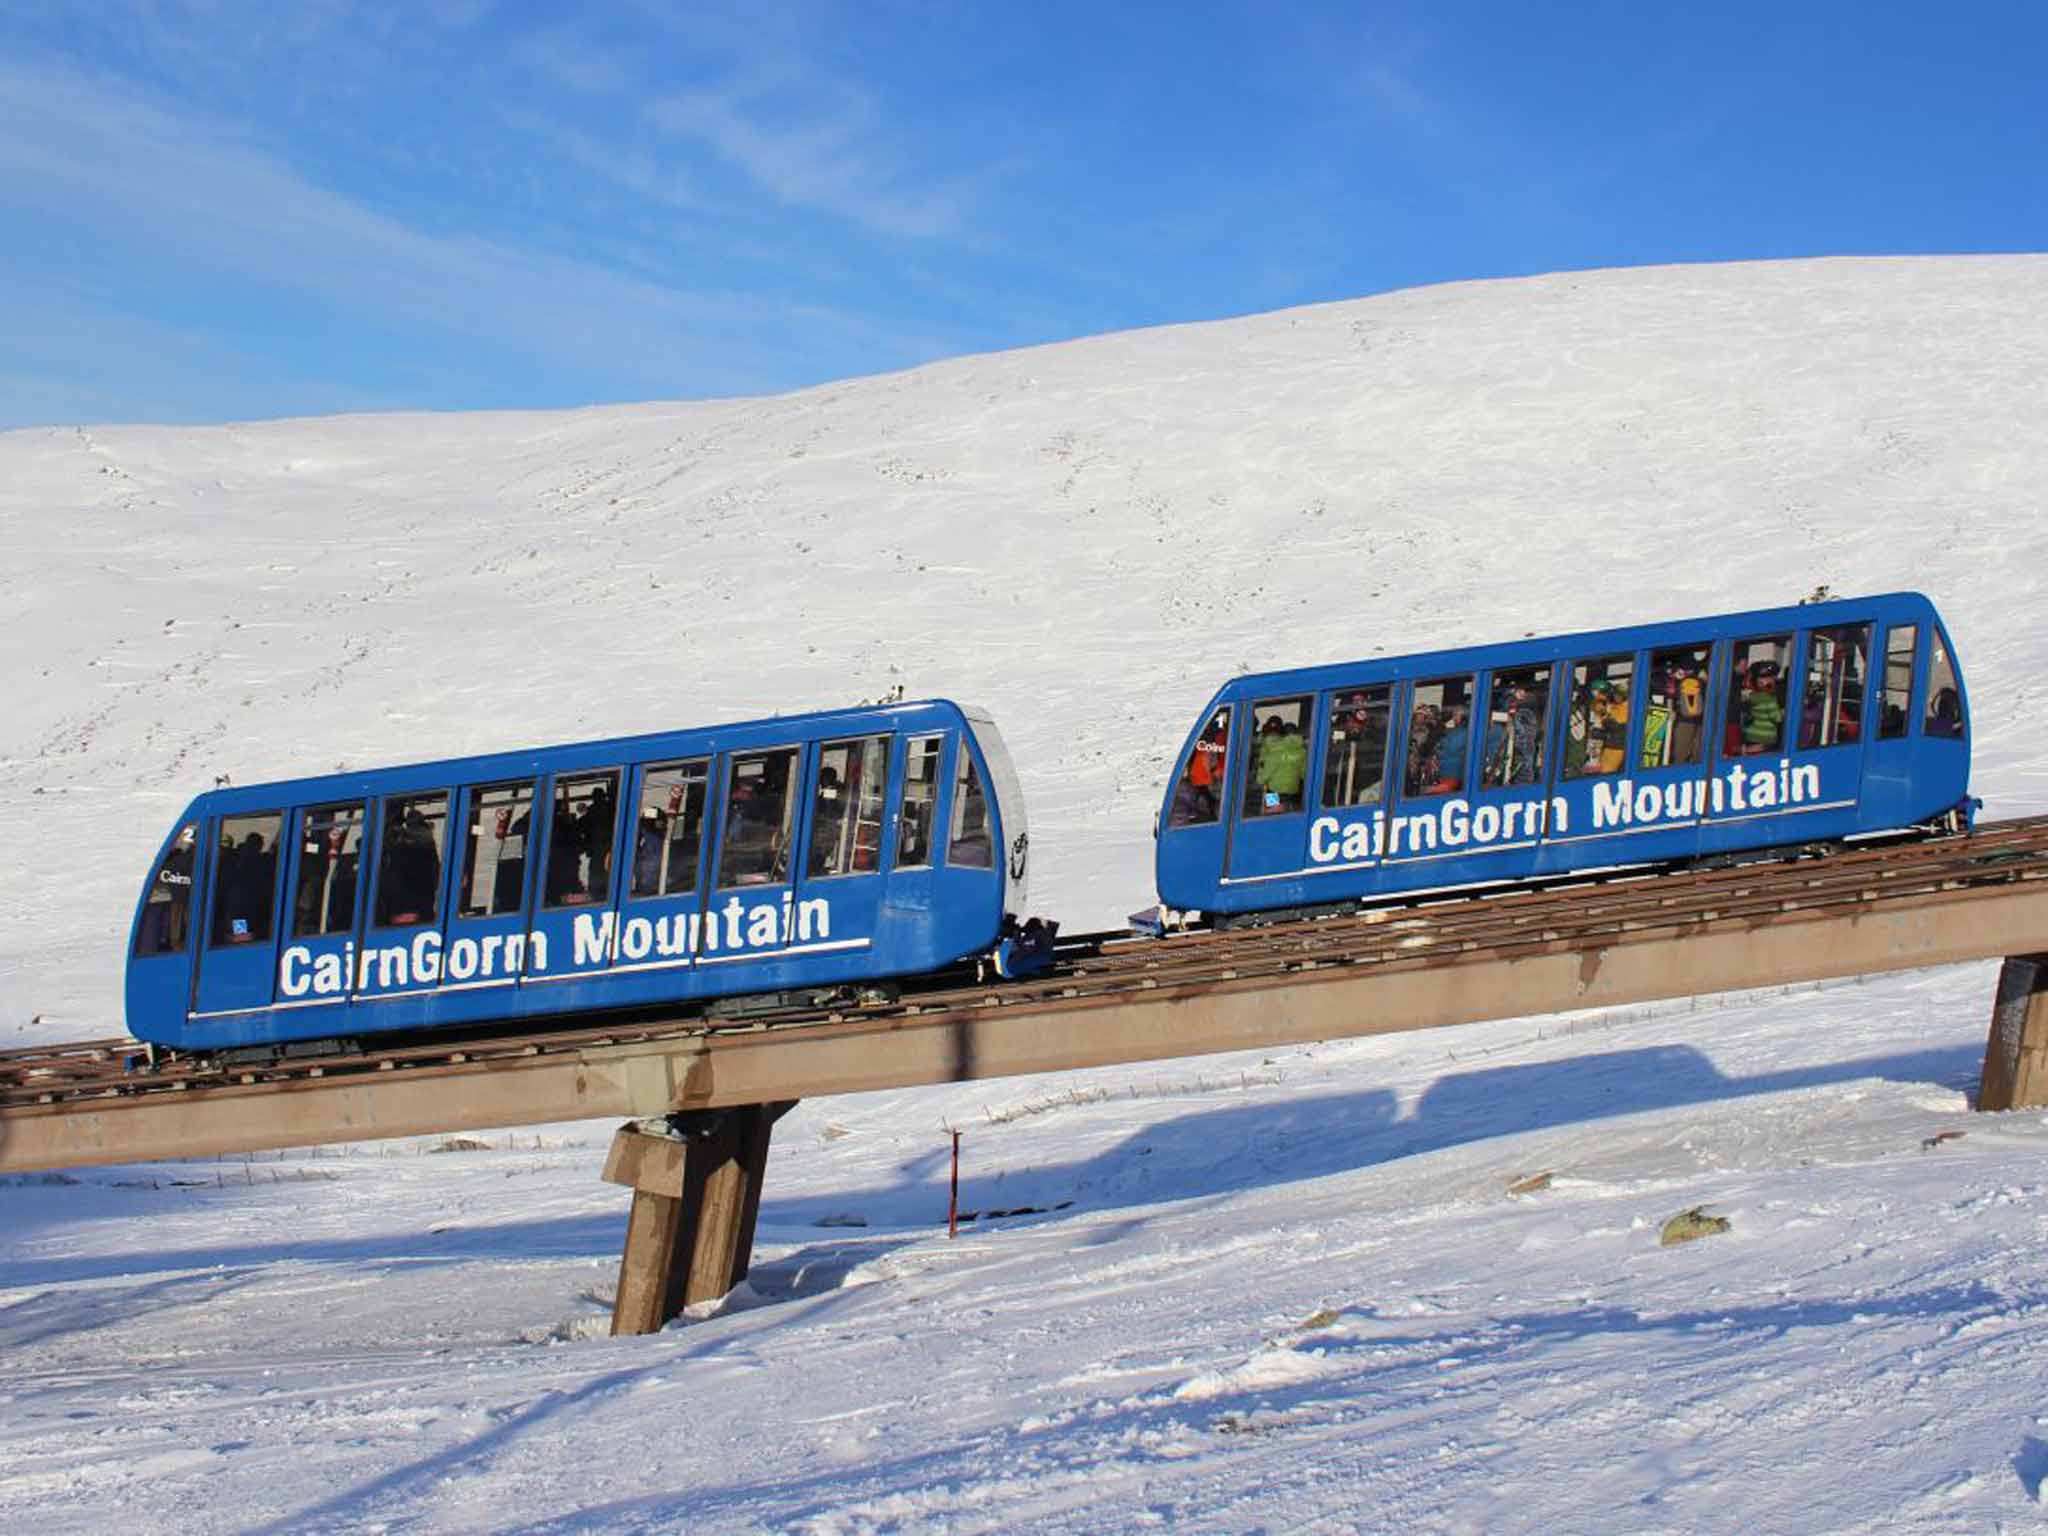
(592, 938)
(1617, 803)
(596, 938)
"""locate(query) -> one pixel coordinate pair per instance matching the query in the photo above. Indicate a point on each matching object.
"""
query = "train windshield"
(167, 910)
(1009, 798)
(1944, 698)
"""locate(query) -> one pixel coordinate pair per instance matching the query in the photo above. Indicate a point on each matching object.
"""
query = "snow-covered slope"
(1285, 1294)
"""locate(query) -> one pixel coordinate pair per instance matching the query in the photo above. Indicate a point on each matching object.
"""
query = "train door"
(1269, 832)
(1826, 734)
(841, 876)
(664, 906)
(324, 877)
(575, 921)
(754, 860)
(1751, 736)
(486, 932)
(1888, 757)
(400, 951)
(237, 968)
(1668, 780)
(914, 806)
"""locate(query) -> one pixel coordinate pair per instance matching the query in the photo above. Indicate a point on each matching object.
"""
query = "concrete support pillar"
(696, 1182)
(2016, 1055)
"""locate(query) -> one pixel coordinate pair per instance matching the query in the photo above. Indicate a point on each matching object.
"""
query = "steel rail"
(95, 1064)
(1629, 936)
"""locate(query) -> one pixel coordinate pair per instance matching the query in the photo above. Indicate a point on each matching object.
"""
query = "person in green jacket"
(1763, 712)
(1281, 766)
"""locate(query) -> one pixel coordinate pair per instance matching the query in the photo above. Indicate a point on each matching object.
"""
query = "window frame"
(1325, 725)
(1305, 726)
(1909, 717)
(968, 774)
(304, 824)
(938, 740)
(1565, 773)
(597, 900)
(384, 804)
(882, 864)
(1941, 652)
(1493, 676)
(1731, 695)
(1221, 779)
(1704, 751)
(190, 901)
(216, 869)
(1806, 648)
(791, 820)
(471, 808)
(643, 774)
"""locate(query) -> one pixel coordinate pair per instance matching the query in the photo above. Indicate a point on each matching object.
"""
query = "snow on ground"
(1285, 1292)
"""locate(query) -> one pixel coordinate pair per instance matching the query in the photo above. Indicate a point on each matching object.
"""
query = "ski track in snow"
(1275, 1292)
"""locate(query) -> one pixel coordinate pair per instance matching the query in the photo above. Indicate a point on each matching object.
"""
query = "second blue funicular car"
(1329, 785)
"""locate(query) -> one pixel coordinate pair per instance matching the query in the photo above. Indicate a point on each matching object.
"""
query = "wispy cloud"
(632, 167)
(813, 142)
(195, 203)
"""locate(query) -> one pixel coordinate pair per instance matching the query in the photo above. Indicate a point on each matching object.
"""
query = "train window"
(759, 807)
(846, 821)
(1199, 796)
(669, 835)
(1944, 698)
(245, 878)
(1439, 736)
(414, 838)
(970, 844)
(1675, 718)
(920, 795)
(1900, 642)
(494, 865)
(580, 831)
(330, 858)
(1355, 763)
(1276, 765)
(1755, 712)
(1596, 725)
(167, 913)
(1517, 709)
(1831, 703)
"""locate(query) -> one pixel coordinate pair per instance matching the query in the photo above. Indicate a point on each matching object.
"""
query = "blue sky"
(218, 210)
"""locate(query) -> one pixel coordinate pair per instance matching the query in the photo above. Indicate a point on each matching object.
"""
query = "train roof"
(1593, 642)
(600, 752)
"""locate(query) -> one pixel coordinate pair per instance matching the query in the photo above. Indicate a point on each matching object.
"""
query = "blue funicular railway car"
(773, 857)
(1326, 786)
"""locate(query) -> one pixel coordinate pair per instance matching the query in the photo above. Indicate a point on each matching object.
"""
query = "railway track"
(1583, 913)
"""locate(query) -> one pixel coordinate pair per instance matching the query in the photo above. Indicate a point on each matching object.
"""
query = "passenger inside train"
(1355, 765)
(1596, 735)
(1198, 793)
(1515, 720)
(1279, 764)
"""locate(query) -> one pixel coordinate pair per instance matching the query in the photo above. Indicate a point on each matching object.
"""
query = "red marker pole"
(953, 1201)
